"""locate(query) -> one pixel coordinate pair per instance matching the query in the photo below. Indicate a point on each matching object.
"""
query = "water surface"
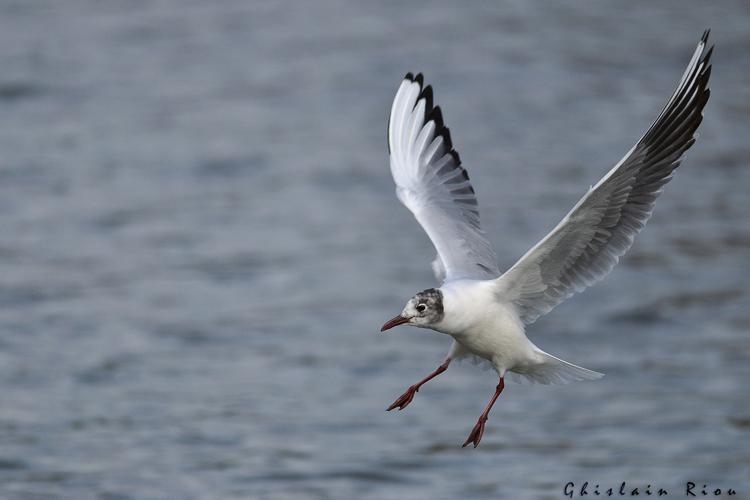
(200, 241)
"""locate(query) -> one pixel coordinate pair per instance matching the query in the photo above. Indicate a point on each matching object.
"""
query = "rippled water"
(200, 240)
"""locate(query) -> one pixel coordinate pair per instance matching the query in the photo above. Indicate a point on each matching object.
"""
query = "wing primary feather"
(434, 185)
(601, 227)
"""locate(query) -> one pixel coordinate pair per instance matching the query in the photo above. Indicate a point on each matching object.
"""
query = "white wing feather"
(433, 185)
(587, 243)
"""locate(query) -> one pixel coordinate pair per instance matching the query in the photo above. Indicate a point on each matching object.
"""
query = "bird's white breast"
(483, 324)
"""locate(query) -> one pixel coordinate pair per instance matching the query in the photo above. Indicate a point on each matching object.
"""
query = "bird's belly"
(502, 343)
(492, 345)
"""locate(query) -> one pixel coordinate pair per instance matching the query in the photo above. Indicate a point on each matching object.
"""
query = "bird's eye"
(421, 307)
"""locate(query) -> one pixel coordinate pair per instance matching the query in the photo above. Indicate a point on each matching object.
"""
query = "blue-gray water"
(199, 240)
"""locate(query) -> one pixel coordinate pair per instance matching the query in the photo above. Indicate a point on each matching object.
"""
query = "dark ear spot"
(434, 299)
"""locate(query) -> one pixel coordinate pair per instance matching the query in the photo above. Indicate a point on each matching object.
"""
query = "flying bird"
(486, 311)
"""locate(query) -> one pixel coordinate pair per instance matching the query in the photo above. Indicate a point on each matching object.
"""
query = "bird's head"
(423, 310)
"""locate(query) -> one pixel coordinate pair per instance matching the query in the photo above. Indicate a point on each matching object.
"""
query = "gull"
(486, 311)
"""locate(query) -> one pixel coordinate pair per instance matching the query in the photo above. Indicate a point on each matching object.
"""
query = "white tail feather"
(553, 371)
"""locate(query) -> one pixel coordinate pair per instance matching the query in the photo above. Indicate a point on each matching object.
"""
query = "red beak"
(398, 320)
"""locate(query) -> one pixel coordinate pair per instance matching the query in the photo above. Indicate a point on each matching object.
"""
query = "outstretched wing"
(431, 182)
(588, 242)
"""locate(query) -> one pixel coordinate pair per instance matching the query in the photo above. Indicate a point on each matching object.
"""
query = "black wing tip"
(426, 94)
(706, 69)
(446, 133)
(465, 172)
(418, 78)
(457, 159)
(706, 60)
(432, 112)
(708, 52)
(435, 114)
(425, 91)
(686, 97)
(705, 76)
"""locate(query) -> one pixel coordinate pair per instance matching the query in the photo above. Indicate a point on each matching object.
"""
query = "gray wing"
(588, 242)
(431, 182)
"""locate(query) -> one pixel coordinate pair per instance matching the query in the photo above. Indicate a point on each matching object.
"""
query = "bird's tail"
(552, 370)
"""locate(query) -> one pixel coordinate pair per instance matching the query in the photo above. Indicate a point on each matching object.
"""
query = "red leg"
(476, 433)
(403, 401)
